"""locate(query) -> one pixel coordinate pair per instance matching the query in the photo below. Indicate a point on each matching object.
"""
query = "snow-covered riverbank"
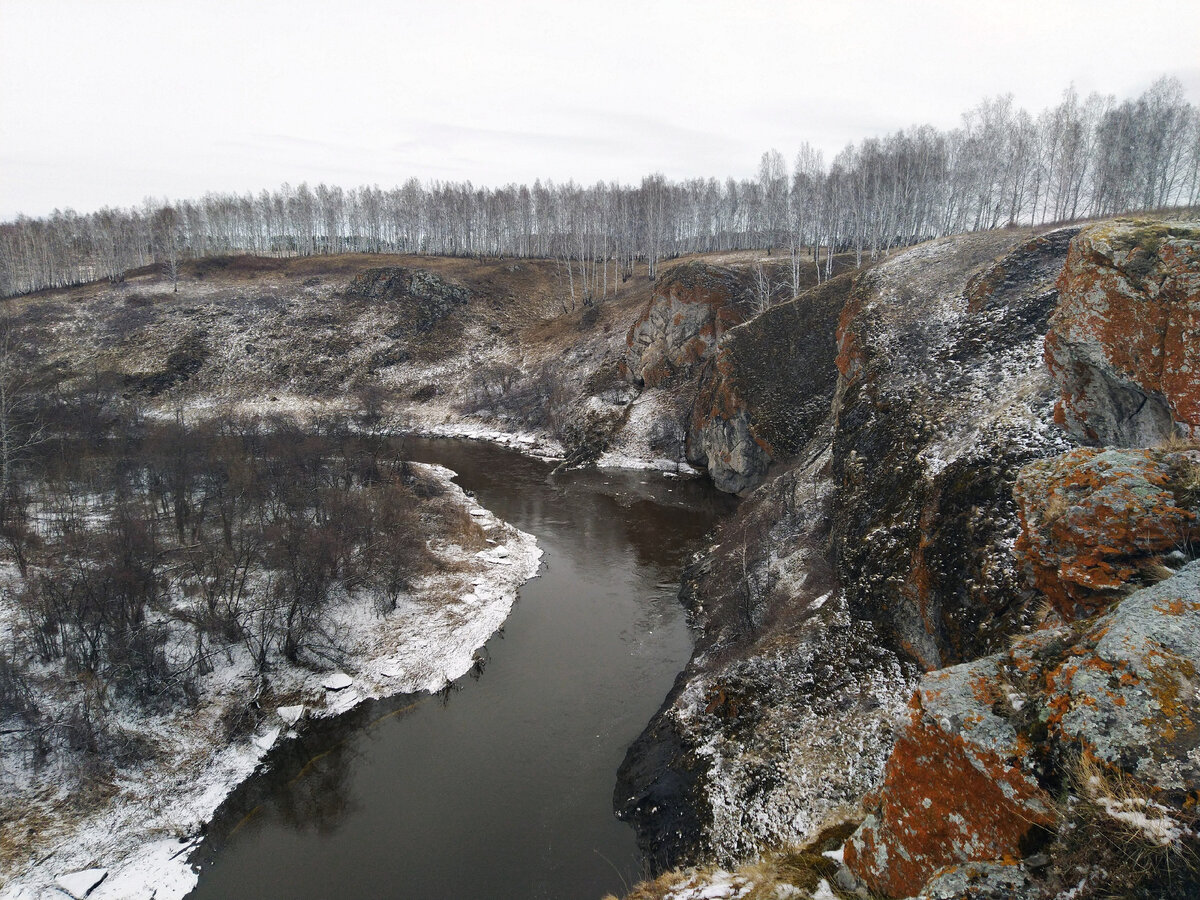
(136, 842)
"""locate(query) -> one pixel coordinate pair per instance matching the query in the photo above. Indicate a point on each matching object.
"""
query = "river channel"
(502, 787)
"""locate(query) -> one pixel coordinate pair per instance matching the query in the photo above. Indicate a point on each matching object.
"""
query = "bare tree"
(1085, 156)
(167, 228)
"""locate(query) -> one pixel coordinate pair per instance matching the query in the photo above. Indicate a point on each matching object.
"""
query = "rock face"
(1124, 344)
(721, 435)
(881, 546)
(938, 518)
(693, 305)
(785, 715)
(942, 398)
(423, 299)
(956, 788)
(987, 742)
(769, 388)
(1094, 522)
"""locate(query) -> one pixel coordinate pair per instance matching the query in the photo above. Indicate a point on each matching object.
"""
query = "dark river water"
(503, 787)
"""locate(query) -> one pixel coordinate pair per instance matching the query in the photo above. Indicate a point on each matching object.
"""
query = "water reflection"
(503, 787)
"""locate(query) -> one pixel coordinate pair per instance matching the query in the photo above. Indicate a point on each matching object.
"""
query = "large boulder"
(692, 306)
(1124, 344)
(1128, 690)
(1094, 522)
(957, 788)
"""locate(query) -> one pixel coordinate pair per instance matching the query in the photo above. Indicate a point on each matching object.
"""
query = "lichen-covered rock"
(693, 305)
(1128, 691)
(1093, 522)
(769, 388)
(957, 787)
(1124, 344)
(970, 778)
(982, 881)
(942, 398)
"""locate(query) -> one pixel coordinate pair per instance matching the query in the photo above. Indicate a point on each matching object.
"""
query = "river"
(502, 787)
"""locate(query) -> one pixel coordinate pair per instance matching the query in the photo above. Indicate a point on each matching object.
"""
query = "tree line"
(1003, 165)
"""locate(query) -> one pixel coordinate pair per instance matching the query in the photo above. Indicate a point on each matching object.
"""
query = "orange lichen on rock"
(1093, 522)
(1124, 342)
(967, 782)
(849, 352)
(951, 792)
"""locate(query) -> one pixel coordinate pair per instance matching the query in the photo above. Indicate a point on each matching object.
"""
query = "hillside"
(439, 345)
(944, 646)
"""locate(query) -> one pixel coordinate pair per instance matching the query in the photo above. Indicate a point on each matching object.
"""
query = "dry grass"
(776, 874)
(1123, 838)
(457, 526)
(1178, 443)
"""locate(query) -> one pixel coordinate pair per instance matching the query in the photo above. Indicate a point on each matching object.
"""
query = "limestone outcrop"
(1124, 343)
(692, 306)
(941, 518)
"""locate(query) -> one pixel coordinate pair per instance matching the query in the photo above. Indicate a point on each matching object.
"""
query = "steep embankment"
(929, 521)
(499, 349)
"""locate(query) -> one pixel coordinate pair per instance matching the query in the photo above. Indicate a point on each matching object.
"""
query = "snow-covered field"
(137, 844)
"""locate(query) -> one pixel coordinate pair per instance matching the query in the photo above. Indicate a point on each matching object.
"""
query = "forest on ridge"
(1084, 158)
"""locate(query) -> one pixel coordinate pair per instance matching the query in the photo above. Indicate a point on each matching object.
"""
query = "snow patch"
(338, 681)
(80, 884)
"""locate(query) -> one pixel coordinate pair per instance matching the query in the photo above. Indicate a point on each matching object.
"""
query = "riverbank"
(132, 836)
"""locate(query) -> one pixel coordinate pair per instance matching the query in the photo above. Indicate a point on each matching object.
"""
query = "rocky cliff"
(767, 389)
(692, 306)
(939, 518)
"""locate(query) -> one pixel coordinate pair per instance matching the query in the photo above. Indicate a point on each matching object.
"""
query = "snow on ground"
(631, 446)
(535, 444)
(138, 845)
(719, 885)
(1151, 819)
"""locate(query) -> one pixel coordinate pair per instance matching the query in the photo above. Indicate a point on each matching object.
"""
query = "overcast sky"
(104, 102)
